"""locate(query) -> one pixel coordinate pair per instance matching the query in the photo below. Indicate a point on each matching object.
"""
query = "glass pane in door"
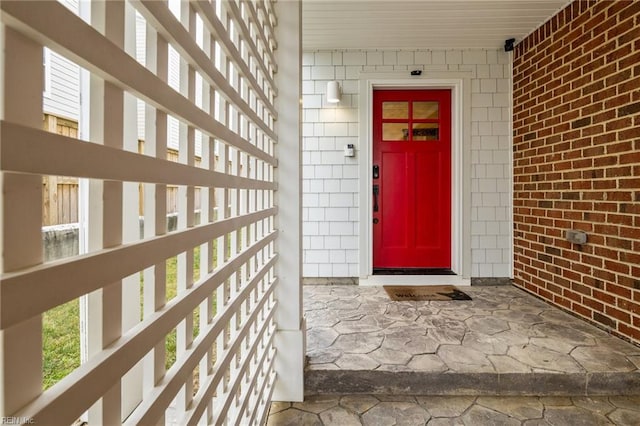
(425, 110)
(395, 131)
(426, 131)
(391, 110)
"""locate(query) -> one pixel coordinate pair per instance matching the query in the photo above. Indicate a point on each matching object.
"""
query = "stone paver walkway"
(380, 410)
(504, 341)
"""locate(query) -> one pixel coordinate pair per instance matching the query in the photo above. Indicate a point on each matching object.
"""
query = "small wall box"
(349, 150)
(576, 237)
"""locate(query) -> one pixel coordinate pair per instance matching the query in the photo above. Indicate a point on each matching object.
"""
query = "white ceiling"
(420, 24)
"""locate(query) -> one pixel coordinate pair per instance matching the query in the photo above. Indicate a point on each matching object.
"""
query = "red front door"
(411, 179)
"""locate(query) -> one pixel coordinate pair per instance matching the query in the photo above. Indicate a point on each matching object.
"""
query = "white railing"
(224, 371)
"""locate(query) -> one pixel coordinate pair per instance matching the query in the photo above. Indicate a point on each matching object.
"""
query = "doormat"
(425, 293)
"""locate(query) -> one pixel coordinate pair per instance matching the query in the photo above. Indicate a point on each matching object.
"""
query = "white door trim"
(460, 85)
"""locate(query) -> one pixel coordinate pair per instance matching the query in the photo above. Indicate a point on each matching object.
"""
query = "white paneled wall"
(330, 180)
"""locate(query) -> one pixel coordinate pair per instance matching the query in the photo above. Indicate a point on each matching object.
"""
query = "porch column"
(290, 334)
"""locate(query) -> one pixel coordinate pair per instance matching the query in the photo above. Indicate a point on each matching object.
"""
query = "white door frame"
(460, 85)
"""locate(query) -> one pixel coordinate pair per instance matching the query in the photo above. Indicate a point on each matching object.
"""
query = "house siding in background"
(173, 126)
(331, 181)
(62, 81)
(577, 163)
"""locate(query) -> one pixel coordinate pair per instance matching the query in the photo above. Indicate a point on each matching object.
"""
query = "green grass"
(172, 288)
(61, 342)
(61, 330)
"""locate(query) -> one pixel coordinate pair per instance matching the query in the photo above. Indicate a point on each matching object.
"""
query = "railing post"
(132, 381)
(207, 204)
(155, 207)
(186, 215)
(104, 222)
(21, 68)
(290, 334)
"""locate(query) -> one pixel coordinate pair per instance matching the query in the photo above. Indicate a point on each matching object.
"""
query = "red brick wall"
(577, 162)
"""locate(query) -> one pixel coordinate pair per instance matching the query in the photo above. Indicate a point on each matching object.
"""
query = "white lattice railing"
(225, 320)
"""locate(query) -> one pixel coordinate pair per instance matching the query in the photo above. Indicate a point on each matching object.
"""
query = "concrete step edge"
(430, 383)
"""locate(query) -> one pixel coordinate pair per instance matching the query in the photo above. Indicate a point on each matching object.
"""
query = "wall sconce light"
(333, 92)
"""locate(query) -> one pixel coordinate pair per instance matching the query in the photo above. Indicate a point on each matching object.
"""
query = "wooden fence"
(60, 193)
(59, 200)
(172, 190)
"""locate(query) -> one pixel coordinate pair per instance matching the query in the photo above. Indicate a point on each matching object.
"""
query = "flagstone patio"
(503, 342)
(379, 410)
(505, 357)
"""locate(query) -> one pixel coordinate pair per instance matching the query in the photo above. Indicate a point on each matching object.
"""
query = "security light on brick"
(333, 92)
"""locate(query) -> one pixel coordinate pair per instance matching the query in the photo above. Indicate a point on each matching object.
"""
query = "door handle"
(376, 191)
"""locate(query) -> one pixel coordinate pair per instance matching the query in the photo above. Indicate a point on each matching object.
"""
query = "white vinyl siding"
(64, 91)
(62, 98)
